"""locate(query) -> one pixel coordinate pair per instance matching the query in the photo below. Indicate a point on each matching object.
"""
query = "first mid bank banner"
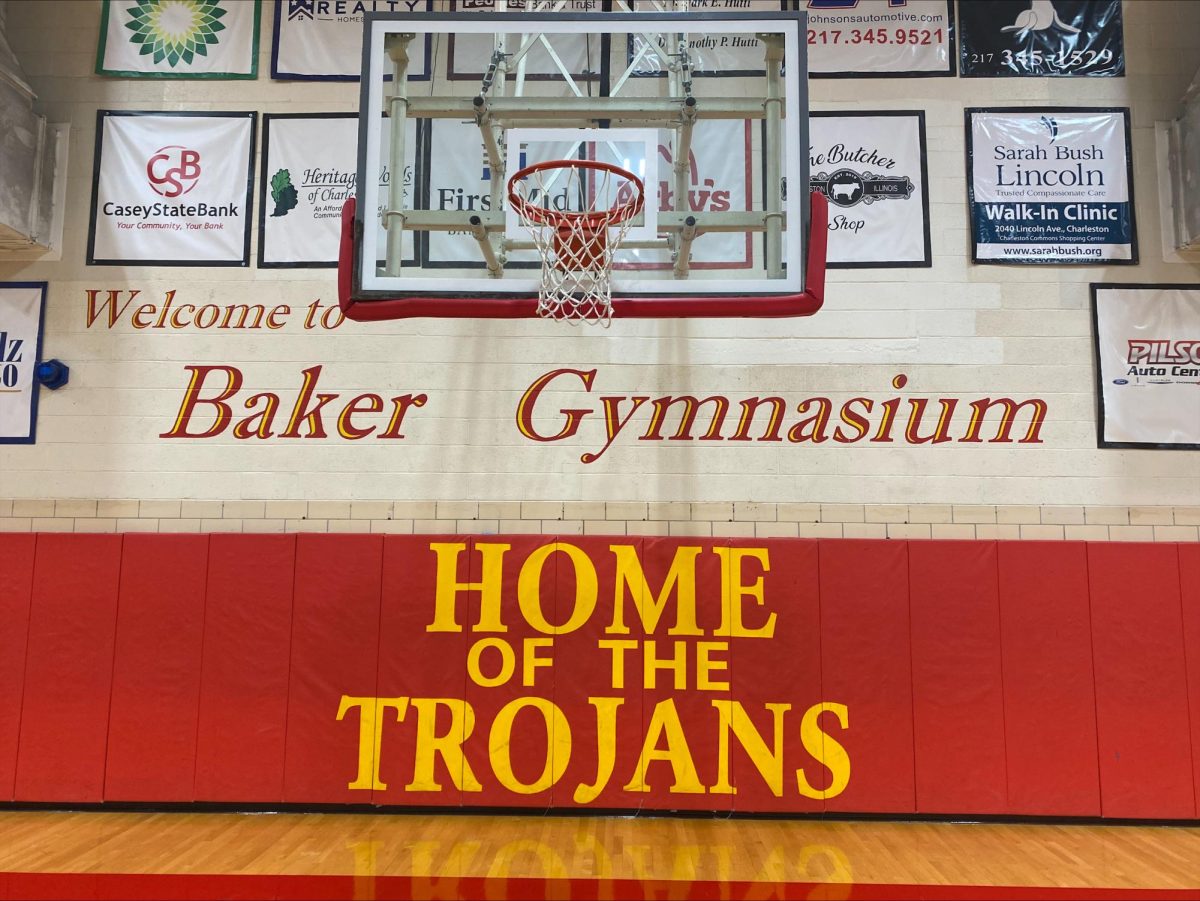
(1051, 185)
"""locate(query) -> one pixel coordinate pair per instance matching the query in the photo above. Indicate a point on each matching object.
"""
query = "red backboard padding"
(16, 586)
(958, 695)
(1189, 581)
(866, 665)
(1019, 678)
(68, 671)
(335, 652)
(1141, 683)
(244, 673)
(1049, 699)
(156, 671)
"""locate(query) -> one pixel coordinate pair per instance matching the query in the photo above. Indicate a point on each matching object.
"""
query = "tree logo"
(283, 192)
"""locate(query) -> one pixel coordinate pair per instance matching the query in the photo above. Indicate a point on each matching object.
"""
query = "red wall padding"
(1049, 696)
(16, 586)
(68, 668)
(1025, 678)
(1141, 682)
(156, 671)
(244, 672)
(958, 692)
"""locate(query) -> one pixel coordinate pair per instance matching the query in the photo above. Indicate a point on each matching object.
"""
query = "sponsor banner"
(1041, 37)
(721, 179)
(172, 188)
(467, 55)
(876, 38)
(309, 169)
(179, 38)
(22, 305)
(731, 55)
(871, 167)
(1051, 185)
(1147, 365)
(321, 40)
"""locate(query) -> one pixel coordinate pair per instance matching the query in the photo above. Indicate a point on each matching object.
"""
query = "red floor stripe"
(105, 886)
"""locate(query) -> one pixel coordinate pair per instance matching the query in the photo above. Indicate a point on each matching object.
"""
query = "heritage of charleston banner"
(1051, 185)
(1148, 365)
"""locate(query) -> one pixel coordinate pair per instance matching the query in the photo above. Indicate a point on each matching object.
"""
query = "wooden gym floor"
(376, 856)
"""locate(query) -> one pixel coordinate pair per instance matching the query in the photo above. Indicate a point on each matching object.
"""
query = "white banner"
(1051, 186)
(310, 162)
(1148, 365)
(721, 178)
(712, 53)
(323, 41)
(20, 341)
(179, 38)
(879, 37)
(468, 55)
(871, 167)
(172, 188)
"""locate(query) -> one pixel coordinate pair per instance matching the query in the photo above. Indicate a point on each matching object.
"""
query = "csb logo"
(173, 170)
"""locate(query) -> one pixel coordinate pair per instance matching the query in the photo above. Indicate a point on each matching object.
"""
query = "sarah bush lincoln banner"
(1051, 185)
(22, 305)
(179, 38)
(871, 166)
(309, 168)
(1147, 365)
(172, 188)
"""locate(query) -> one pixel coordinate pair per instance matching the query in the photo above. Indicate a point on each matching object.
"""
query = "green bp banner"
(179, 38)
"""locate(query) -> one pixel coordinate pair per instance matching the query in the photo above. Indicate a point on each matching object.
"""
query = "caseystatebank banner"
(871, 167)
(1147, 365)
(1051, 185)
(22, 305)
(322, 41)
(179, 38)
(309, 169)
(172, 188)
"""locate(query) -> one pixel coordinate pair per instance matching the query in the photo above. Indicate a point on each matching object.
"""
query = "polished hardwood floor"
(838, 857)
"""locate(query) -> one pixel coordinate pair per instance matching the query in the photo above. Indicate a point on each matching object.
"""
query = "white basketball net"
(576, 246)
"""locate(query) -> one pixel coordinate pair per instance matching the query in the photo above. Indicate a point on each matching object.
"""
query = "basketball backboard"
(708, 108)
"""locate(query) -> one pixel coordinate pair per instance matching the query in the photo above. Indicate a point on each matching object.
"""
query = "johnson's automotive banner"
(875, 38)
(871, 166)
(1148, 365)
(321, 40)
(179, 38)
(1051, 185)
(310, 164)
(1041, 37)
(21, 307)
(172, 188)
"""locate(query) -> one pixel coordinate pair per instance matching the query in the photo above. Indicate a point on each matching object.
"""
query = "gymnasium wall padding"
(16, 588)
(1021, 678)
(1049, 695)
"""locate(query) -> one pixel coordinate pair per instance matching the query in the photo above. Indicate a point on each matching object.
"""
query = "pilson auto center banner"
(1051, 185)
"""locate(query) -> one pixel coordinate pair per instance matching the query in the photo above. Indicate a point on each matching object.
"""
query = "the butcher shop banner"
(1147, 365)
(1041, 38)
(1051, 186)
(871, 166)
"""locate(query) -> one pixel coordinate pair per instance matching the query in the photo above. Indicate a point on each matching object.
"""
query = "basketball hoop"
(576, 246)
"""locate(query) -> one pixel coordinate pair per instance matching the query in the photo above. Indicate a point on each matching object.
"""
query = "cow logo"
(300, 9)
(174, 31)
(847, 188)
(1041, 17)
(174, 170)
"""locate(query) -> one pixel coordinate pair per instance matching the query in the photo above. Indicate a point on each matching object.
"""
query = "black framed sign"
(1147, 344)
(22, 309)
(1051, 185)
(872, 168)
(172, 188)
(1005, 38)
